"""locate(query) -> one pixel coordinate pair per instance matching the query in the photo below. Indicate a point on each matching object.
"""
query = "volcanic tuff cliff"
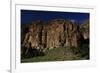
(52, 34)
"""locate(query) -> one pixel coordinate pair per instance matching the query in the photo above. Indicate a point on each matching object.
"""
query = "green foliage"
(60, 54)
(85, 51)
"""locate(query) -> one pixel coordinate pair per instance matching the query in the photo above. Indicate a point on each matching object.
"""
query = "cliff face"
(52, 34)
(84, 28)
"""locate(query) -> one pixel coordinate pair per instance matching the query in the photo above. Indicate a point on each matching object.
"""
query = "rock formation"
(52, 34)
(84, 28)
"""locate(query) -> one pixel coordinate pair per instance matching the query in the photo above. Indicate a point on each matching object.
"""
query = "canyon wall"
(52, 34)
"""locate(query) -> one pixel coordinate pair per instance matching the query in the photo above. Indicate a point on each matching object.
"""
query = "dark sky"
(27, 16)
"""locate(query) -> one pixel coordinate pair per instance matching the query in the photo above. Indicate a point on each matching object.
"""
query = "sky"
(27, 16)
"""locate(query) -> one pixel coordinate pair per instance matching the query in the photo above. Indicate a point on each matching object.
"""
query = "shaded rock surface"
(84, 28)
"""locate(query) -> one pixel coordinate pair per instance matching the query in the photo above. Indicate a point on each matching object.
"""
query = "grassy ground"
(59, 54)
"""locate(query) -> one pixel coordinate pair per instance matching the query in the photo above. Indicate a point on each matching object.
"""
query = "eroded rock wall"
(51, 34)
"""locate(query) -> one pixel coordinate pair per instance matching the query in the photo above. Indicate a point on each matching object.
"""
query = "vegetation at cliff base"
(61, 54)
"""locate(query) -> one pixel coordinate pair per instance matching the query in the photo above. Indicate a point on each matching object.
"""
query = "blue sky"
(27, 16)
